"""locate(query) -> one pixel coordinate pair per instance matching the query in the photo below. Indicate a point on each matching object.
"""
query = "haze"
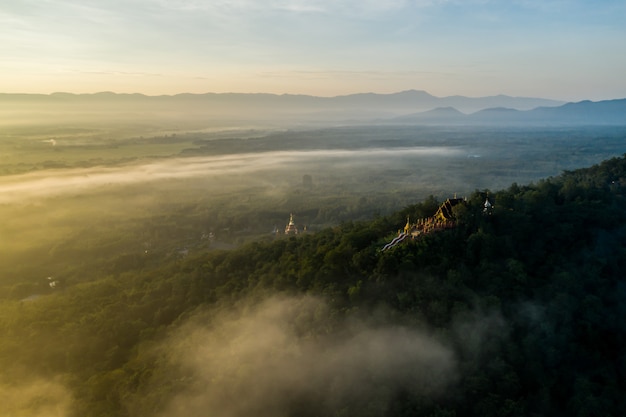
(22, 188)
(564, 50)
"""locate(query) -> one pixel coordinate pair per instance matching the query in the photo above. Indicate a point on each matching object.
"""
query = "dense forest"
(518, 311)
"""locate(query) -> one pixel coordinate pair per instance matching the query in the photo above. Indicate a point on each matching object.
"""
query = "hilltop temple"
(443, 219)
(291, 228)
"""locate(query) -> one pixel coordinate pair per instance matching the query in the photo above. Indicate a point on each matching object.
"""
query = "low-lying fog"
(86, 188)
(292, 356)
(122, 207)
(229, 170)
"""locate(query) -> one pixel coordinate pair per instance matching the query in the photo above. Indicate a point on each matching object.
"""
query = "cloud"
(285, 5)
(286, 354)
(346, 8)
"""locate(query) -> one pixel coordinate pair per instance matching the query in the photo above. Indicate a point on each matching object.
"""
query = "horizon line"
(103, 92)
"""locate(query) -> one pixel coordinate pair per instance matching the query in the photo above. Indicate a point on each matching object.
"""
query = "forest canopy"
(514, 312)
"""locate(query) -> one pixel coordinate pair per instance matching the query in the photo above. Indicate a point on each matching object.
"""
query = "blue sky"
(569, 50)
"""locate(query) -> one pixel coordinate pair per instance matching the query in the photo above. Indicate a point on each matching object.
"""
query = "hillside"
(516, 312)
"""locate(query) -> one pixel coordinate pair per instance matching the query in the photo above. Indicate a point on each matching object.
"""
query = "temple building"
(444, 213)
(487, 207)
(443, 219)
(291, 228)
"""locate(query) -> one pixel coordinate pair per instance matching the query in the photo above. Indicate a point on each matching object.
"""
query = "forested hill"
(519, 312)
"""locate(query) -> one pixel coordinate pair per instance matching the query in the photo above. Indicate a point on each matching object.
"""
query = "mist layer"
(289, 356)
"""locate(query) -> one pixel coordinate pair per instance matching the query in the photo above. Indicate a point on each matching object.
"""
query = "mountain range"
(407, 107)
(608, 112)
(411, 100)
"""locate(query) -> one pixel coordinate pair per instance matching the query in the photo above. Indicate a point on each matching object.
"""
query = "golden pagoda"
(291, 228)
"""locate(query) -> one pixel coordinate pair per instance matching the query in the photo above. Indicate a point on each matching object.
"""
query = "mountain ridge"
(605, 112)
(416, 99)
(405, 107)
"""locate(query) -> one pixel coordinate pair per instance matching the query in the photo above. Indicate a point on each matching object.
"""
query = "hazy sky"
(562, 49)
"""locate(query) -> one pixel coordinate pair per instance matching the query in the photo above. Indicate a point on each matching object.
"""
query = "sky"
(561, 49)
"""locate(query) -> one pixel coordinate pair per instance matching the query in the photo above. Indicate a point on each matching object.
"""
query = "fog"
(35, 398)
(87, 192)
(288, 355)
(82, 206)
(48, 183)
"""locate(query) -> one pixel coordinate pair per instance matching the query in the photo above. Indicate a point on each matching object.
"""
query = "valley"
(145, 269)
(84, 200)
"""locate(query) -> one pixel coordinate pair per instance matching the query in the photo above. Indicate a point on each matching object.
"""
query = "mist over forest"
(144, 268)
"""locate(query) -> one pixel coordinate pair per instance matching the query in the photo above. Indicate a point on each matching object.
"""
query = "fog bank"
(49, 183)
(289, 356)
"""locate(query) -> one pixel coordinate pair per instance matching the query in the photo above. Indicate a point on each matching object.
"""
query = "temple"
(291, 228)
(488, 207)
(444, 212)
(442, 219)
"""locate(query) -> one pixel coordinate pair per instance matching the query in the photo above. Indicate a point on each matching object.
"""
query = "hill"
(131, 115)
(518, 311)
(240, 109)
(584, 113)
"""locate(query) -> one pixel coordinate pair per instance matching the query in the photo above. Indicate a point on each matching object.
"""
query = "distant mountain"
(407, 107)
(355, 107)
(585, 112)
(608, 112)
(438, 115)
